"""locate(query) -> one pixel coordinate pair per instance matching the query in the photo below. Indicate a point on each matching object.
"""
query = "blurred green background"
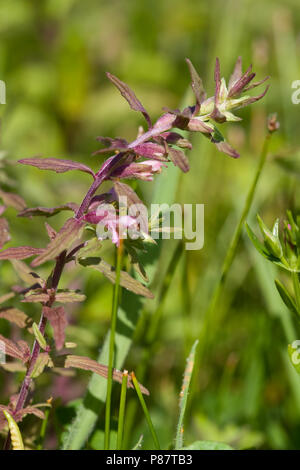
(53, 59)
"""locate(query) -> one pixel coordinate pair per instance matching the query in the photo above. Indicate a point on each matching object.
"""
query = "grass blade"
(184, 395)
(146, 412)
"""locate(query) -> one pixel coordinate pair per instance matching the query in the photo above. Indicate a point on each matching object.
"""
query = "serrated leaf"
(82, 362)
(208, 445)
(126, 280)
(16, 438)
(179, 159)
(26, 273)
(20, 252)
(36, 296)
(56, 164)
(16, 316)
(58, 320)
(69, 296)
(48, 211)
(287, 298)
(19, 350)
(38, 336)
(63, 240)
(129, 96)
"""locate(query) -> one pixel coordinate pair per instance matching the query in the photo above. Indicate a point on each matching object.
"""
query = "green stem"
(114, 316)
(43, 430)
(145, 409)
(122, 410)
(296, 283)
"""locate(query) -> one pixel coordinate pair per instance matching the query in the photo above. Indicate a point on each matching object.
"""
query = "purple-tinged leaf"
(50, 231)
(13, 200)
(20, 252)
(123, 190)
(16, 316)
(48, 211)
(256, 84)
(29, 410)
(179, 159)
(197, 86)
(226, 148)
(196, 125)
(4, 232)
(112, 145)
(150, 150)
(253, 99)
(176, 139)
(109, 272)
(2, 209)
(164, 123)
(69, 296)
(56, 164)
(129, 96)
(239, 86)
(19, 350)
(237, 73)
(58, 320)
(85, 363)
(67, 235)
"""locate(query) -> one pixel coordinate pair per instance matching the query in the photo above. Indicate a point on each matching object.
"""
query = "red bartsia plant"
(146, 156)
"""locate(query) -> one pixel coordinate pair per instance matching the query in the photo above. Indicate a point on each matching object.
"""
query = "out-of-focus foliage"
(53, 59)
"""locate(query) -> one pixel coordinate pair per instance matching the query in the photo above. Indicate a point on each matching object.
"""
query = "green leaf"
(258, 245)
(286, 297)
(42, 361)
(38, 336)
(16, 437)
(208, 445)
(272, 241)
(126, 280)
(69, 296)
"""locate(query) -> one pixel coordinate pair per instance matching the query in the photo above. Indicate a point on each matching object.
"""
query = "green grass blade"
(122, 410)
(184, 396)
(146, 412)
